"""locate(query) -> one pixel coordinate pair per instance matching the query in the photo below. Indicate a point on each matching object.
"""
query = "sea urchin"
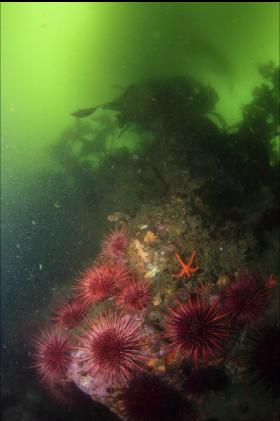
(246, 298)
(206, 380)
(68, 315)
(196, 329)
(101, 281)
(115, 244)
(262, 357)
(134, 297)
(112, 348)
(52, 356)
(150, 398)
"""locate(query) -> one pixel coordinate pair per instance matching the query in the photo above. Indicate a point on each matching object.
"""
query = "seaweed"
(232, 175)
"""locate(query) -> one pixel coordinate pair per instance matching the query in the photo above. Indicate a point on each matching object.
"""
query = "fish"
(84, 112)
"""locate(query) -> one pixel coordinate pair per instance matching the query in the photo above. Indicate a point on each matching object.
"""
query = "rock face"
(181, 311)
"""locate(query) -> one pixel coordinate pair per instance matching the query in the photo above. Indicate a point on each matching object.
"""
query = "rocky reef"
(185, 286)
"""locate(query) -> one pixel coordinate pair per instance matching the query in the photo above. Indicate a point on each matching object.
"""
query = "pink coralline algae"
(91, 385)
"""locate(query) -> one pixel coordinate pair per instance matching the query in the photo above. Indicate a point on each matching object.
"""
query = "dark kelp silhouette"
(231, 169)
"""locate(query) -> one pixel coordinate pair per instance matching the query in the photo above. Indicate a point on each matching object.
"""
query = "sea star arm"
(182, 263)
(191, 259)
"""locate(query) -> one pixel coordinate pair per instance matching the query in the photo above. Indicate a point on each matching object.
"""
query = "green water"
(182, 151)
(57, 58)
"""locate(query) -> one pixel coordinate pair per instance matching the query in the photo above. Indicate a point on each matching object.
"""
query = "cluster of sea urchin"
(115, 353)
(111, 345)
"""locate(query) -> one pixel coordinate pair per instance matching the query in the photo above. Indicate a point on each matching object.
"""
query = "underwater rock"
(193, 185)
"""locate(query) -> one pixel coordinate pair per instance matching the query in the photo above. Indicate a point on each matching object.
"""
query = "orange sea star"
(186, 270)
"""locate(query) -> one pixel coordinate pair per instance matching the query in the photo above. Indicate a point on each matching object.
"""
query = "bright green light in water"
(58, 57)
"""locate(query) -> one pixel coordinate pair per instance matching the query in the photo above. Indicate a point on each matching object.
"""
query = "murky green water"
(160, 119)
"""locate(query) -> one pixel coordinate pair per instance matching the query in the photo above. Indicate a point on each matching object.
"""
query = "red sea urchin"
(196, 329)
(134, 297)
(262, 357)
(246, 298)
(68, 395)
(101, 281)
(206, 380)
(52, 356)
(68, 315)
(150, 398)
(112, 348)
(115, 244)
